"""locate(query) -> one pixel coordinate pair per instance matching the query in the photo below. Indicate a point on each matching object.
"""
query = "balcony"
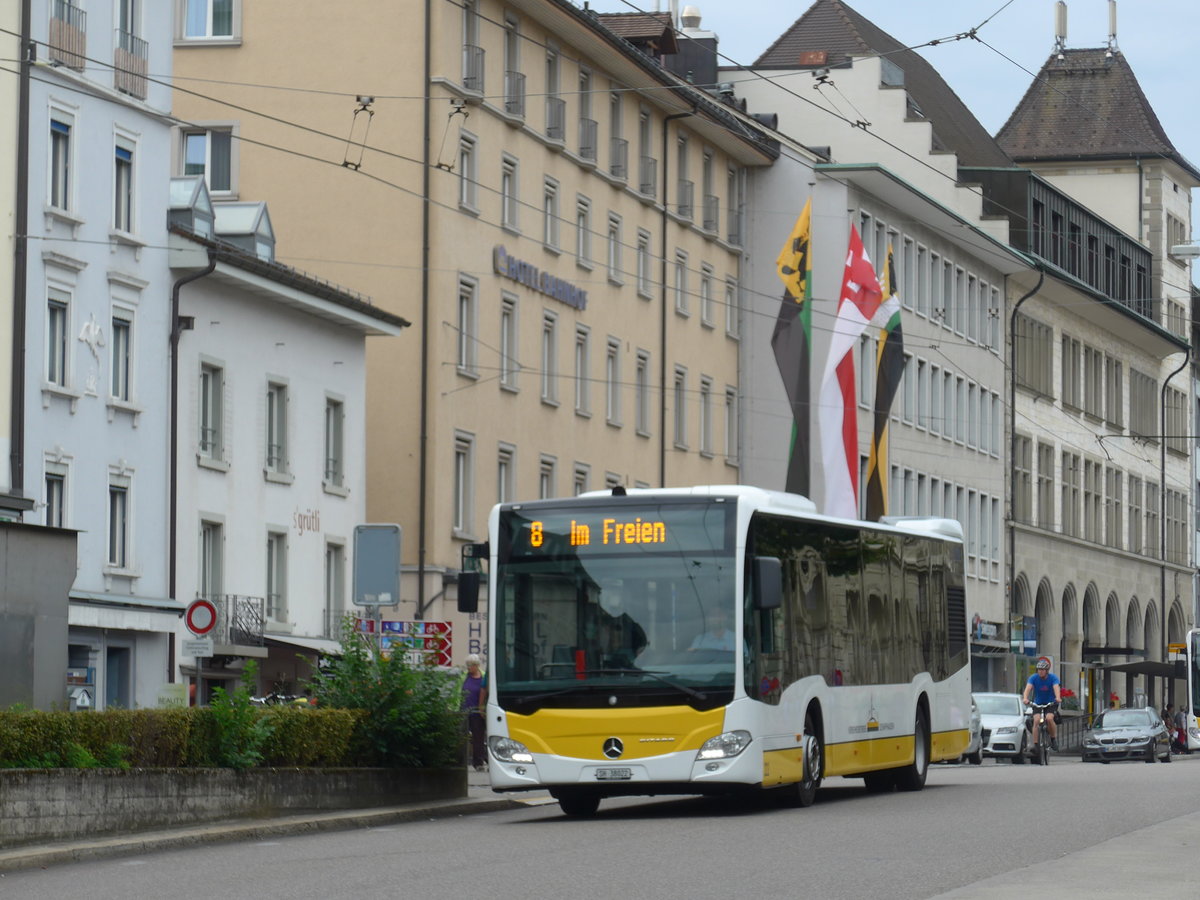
(556, 118)
(514, 93)
(587, 139)
(131, 57)
(473, 70)
(735, 227)
(68, 35)
(648, 176)
(712, 213)
(619, 164)
(239, 628)
(683, 196)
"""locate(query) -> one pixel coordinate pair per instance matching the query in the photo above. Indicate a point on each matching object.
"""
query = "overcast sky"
(1156, 36)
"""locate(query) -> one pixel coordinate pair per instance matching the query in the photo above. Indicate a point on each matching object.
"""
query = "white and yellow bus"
(1191, 711)
(714, 639)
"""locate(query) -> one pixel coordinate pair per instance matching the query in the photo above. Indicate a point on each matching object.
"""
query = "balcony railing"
(473, 67)
(712, 213)
(68, 34)
(683, 196)
(735, 227)
(587, 139)
(556, 118)
(648, 176)
(514, 93)
(240, 622)
(619, 165)
(131, 56)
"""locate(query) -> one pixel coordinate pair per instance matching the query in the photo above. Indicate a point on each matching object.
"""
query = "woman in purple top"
(474, 700)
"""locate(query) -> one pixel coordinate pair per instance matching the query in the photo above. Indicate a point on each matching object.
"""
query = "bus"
(717, 639)
(1191, 711)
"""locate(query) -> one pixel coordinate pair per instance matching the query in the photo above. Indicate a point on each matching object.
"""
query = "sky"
(1156, 36)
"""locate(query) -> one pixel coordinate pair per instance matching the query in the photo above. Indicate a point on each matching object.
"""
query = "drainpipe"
(423, 450)
(1012, 446)
(1162, 511)
(662, 343)
(16, 461)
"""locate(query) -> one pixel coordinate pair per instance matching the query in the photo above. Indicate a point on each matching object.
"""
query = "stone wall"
(43, 805)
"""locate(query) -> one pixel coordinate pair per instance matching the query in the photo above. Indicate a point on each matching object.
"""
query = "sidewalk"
(480, 798)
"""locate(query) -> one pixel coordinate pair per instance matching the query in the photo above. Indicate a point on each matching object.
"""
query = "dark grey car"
(1127, 734)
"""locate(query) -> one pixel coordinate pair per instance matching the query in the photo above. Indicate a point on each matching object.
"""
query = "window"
(1135, 515)
(468, 304)
(682, 303)
(1032, 351)
(706, 437)
(1045, 483)
(1113, 510)
(509, 365)
(1071, 465)
(1072, 394)
(121, 358)
(505, 473)
(612, 382)
(546, 470)
(587, 125)
(60, 163)
(277, 400)
(583, 401)
(210, 583)
(583, 232)
(118, 522)
(549, 358)
(550, 214)
(123, 185)
(618, 147)
(1175, 425)
(580, 477)
(211, 19)
(335, 590)
(732, 307)
(276, 576)
(209, 152)
(1023, 479)
(212, 411)
(908, 387)
(55, 496)
(1150, 529)
(1143, 404)
(464, 488)
(641, 387)
(644, 279)
(706, 295)
(57, 326)
(334, 446)
(1093, 487)
(509, 202)
(731, 424)
(922, 394)
(733, 190)
(468, 176)
(680, 397)
(555, 105)
(614, 248)
(1093, 382)
(514, 78)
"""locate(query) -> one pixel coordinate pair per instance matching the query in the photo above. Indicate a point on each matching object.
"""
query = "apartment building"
(560, 217)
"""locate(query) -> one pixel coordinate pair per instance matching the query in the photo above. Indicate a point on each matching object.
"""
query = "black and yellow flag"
(889, 369)
(792, 343)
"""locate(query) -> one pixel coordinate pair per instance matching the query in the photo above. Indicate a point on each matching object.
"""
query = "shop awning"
(1150, 667)
(320, 645)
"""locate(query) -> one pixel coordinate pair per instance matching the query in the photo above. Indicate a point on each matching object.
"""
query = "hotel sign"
(535, 279)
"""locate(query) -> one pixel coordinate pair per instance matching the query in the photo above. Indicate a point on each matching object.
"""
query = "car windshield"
(999, 705)
(1125, 718)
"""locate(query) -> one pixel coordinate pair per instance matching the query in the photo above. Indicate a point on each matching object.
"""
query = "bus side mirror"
(468, 592)
(768, 582)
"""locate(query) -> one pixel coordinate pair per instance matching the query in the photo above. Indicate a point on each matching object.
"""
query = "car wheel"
(912, 777)
(805, 791)
(975, 758)
(1019, 759)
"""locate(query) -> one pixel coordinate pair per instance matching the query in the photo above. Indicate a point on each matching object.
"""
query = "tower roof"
(1086, 105)
(833, 27)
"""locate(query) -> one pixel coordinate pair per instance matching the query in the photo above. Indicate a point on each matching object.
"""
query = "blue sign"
(532, 277)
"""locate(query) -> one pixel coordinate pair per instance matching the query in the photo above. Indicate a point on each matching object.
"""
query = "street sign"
(199, 647)
(376, 565)
(201, 617)
(421, 642)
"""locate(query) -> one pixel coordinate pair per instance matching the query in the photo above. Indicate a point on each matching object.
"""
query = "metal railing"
(131, 57)
(240, 619)
(473, 70)
(712, 213)
(514, 93)
(648, 176)
(68, 34)
(587, 138)
(683, 196)
(556, 118)
(619, 166)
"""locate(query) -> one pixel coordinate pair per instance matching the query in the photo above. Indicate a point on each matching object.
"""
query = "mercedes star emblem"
(613, 748)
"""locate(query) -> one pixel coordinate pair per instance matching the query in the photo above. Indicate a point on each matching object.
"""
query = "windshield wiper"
(657, 676)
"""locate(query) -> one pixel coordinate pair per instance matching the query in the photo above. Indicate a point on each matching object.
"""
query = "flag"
(792, 340)
(837, 415)
(889, 369)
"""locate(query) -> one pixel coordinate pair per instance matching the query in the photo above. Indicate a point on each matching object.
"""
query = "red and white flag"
(838, 416)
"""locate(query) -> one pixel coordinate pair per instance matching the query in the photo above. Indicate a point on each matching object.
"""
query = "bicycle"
(1041, 750)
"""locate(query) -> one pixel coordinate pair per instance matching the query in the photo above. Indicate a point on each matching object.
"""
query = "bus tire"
(814, 763)
(912, 777)
(879, 782)
(577, 804)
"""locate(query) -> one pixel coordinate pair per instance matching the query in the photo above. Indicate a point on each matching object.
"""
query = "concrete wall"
(38, 805)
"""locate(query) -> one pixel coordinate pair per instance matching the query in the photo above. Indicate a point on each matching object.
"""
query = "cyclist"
(1044, 687)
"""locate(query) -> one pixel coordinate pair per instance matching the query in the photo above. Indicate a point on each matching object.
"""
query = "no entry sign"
(200, 618)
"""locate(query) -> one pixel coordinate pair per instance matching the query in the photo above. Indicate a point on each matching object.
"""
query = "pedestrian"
(474, 701)
(1181, 743)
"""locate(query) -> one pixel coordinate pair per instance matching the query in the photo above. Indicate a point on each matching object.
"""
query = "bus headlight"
(724, 746)
(508, 750)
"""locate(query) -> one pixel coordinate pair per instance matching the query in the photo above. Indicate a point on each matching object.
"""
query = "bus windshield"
(602, 603)
(1193, 656)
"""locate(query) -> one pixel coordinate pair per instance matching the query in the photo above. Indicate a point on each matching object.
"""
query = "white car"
(974, 751)
(1003, 719)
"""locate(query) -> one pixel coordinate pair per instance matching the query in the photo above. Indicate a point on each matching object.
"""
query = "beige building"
(557, 216)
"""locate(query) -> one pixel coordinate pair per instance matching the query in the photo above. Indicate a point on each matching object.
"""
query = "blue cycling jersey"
(1043, 688)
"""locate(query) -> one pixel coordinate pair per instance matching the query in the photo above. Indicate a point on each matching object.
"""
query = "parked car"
(1127, 734)
(1002, 717)
(974, 752)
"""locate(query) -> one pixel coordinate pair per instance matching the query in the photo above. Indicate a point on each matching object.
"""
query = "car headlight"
(508, 750)
(1091, 742)
(724, 746)
(1007, 729)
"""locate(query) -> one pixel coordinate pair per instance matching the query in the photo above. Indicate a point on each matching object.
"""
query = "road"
(971, 823)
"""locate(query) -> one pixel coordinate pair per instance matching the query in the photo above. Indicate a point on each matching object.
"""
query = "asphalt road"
(975, 831)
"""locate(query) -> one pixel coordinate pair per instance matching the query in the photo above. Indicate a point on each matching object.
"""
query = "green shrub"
(309, 737)
(240, 729)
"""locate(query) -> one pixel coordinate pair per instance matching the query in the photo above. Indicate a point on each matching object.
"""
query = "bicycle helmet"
(1043, 663)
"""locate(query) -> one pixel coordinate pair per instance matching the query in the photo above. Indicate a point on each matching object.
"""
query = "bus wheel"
(578, 804)
(912, 777)
(814, 763)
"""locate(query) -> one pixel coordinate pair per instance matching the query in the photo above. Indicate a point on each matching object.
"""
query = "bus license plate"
(619, 774)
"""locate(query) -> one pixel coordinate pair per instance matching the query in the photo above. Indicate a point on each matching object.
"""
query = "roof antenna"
(1112, 29)
(1060, 28)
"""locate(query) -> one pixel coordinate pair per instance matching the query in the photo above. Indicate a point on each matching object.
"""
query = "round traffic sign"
(201, 617)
